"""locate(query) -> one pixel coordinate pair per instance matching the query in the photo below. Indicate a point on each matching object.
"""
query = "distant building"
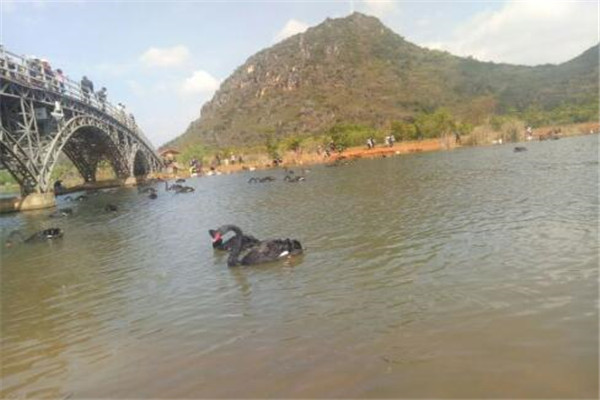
(169, 154)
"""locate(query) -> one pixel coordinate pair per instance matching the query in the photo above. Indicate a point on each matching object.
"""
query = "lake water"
(463, 274)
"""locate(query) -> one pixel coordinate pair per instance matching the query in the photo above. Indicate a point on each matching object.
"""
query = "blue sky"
(164, 59)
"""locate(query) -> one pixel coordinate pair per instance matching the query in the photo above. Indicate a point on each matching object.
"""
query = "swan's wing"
(249, 241)
(263, 252)
(271, 250)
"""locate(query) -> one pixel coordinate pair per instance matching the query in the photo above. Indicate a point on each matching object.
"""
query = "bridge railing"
(33, 73)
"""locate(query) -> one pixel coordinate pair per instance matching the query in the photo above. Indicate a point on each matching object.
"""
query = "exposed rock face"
(356, 70)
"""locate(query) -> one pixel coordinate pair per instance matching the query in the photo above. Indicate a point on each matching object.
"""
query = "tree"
(272, 145)
(436, 124)
(193, 151)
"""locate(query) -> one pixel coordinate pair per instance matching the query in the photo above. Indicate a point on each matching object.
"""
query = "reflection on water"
(470, 273)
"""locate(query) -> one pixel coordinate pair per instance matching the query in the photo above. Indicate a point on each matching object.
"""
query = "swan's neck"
(236, 247)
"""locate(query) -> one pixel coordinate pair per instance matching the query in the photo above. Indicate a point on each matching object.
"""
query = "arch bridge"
(43, 114)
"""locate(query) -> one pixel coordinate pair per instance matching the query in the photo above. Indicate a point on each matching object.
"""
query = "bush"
(197, 151)
(292, 143)
(435, 124)
(404, 130)
(272, 145)
(6, 178)
(347, 135)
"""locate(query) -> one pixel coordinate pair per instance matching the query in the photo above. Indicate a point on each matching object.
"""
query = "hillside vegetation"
(357, 75)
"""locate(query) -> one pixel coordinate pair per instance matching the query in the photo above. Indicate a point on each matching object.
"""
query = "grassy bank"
(481, 136)
(310, 151)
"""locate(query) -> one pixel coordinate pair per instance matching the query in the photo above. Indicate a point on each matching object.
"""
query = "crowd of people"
(39, 73)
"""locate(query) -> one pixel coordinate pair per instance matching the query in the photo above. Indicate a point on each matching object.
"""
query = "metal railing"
(33, 73)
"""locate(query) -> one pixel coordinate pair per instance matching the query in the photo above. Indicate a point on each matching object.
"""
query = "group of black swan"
(176, 187)
(247, 250)
(289, 177)
(56, 233)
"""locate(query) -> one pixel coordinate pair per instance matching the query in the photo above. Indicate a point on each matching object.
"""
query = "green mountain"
(354, 70)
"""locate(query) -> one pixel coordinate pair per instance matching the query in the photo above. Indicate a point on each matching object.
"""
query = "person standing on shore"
(457, 138)
(529, 132)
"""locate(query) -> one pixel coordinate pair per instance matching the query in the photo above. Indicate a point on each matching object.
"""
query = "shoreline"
(293, 159)
(301, 158)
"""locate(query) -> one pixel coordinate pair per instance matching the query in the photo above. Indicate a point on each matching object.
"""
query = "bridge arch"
(86, 140)
(41, 118)
(88, 147)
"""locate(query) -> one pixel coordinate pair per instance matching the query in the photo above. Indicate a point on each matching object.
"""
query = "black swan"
(294, 179)
(78, 198)
(173, 187)
(261, 180)
(62, 212)
(264, 251)
(46, 234)
(218, 243)
(184, 189)
(177, 188)
(520, 148)
(146, 190)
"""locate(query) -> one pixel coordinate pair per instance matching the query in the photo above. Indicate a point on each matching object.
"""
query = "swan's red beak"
(216, 237)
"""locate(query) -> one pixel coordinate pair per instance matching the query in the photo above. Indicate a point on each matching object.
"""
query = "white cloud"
(527, 32)
(292, 27)
(201, 82)
(165, 57)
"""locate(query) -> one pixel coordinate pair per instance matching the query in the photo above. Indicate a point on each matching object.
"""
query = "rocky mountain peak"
(356, 70)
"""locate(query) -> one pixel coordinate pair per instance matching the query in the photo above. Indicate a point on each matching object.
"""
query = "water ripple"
(433, 244)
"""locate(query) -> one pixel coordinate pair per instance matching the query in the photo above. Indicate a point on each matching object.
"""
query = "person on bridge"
(122, 114)
(34, 69)
(131, 122)
(60, 80)
(47, 73)
(87, 87)
(102, 98)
